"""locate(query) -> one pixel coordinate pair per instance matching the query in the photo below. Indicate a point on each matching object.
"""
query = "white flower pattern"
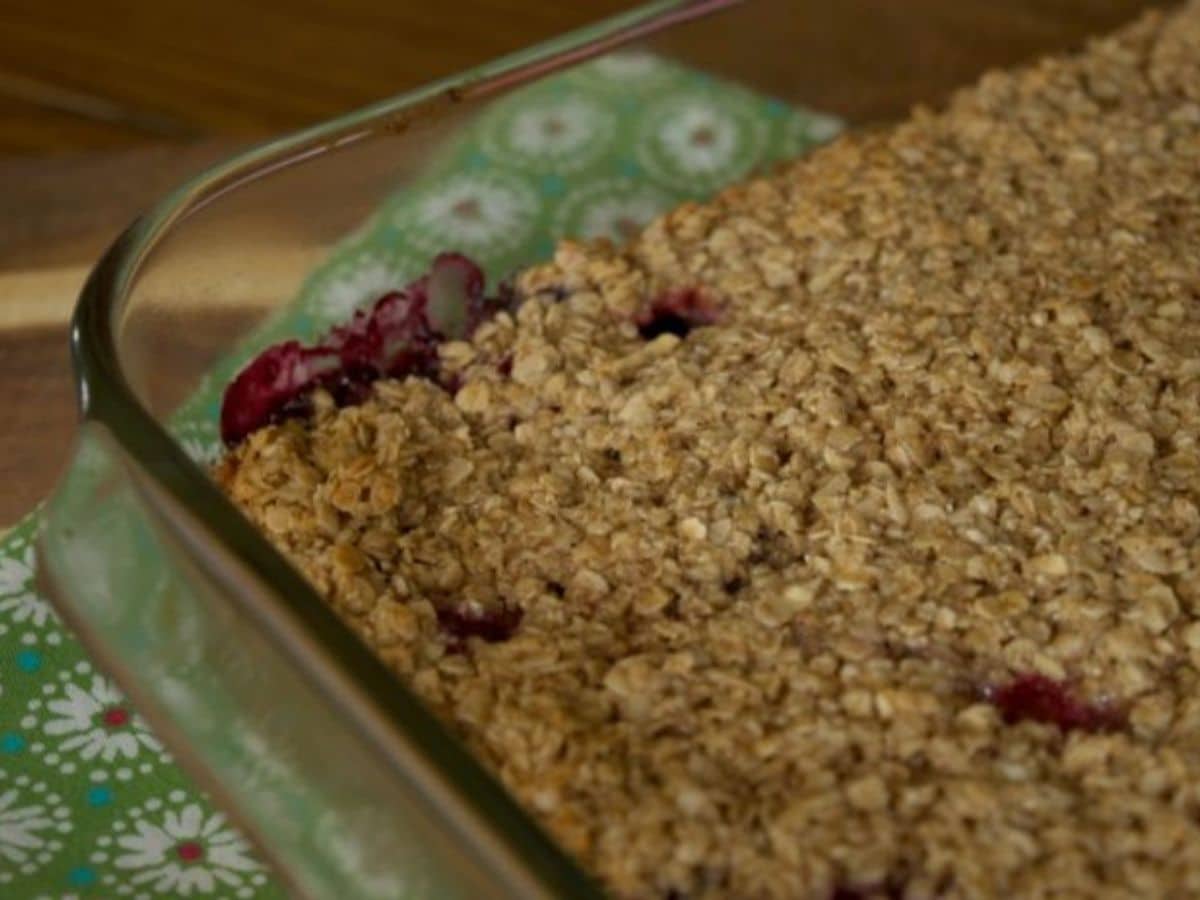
(86, 720)
(32, 821)
(822, 128)
(560, 134)
(21, 827)
(200, 439)
(613, 208)
(696, 142)
(178, 849)
(18, 601)
(699, 138)
(625, 70)
(336, 298)
(200, 451)
(802, 131)
(480, 213)
(97, 722)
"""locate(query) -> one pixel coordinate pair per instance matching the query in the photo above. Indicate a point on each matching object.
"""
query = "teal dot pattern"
(91, 804)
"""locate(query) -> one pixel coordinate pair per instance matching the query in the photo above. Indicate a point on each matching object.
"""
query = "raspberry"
(274, 387)
(399, 336)
(889, 891)
(492, 625)
(1036, 698)
(676, 312)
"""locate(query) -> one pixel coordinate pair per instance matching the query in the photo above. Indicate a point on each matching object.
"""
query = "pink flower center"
(115, 717)
(190, 851)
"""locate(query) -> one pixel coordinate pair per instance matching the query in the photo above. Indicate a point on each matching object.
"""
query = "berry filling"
(676, 312)
(492, 625)
(398, 336)
(889, 891)
(1036, 698)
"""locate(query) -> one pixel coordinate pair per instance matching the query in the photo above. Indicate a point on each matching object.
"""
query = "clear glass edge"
(483, 807)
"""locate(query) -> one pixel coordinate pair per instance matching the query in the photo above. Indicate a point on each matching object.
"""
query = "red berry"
(1036, 698)
(267, 390)
(889, 891)
(492, 625)
(677, 312)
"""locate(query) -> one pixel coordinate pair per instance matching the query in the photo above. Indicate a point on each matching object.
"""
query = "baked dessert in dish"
(837, 537)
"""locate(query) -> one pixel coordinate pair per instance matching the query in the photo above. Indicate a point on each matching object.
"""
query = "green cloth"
(90, 803)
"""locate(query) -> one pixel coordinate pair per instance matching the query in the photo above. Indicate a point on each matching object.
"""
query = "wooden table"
(104, 106)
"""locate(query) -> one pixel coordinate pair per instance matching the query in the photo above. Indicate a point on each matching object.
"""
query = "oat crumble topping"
(878, 576)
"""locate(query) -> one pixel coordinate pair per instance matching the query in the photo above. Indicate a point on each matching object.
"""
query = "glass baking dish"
(345, 782)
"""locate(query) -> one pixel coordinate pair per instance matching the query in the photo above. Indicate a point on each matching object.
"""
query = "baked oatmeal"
(834, 538)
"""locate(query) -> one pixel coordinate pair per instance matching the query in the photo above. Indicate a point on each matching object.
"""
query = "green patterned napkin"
(90, 803)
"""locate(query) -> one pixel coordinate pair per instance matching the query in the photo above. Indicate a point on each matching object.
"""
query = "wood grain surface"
(104, 106)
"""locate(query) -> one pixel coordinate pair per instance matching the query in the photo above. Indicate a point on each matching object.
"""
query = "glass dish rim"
(171, 481)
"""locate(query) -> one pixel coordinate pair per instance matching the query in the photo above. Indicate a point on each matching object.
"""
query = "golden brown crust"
(944, 434)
